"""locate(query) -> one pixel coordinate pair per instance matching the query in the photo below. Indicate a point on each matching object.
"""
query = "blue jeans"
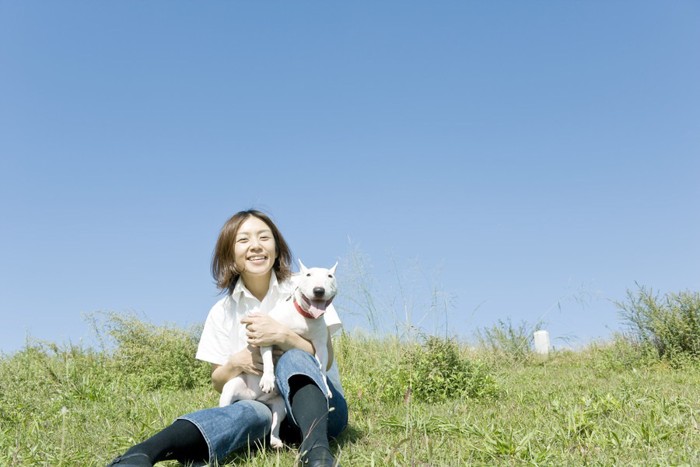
(239, 425)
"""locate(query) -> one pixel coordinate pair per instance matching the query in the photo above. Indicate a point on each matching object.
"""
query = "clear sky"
(483, 160)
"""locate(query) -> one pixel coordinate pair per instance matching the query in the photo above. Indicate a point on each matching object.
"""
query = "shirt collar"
(240, 290)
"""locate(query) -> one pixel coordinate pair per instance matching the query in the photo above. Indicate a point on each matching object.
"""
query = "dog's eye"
(330, 276)
(308, 275)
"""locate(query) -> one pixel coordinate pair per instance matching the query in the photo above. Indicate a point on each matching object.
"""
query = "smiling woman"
(249, 245)
(251, 264)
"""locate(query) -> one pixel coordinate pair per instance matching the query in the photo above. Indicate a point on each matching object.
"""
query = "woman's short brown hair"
(223, 265)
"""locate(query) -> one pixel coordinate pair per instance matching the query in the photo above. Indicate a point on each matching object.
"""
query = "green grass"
(605, 405)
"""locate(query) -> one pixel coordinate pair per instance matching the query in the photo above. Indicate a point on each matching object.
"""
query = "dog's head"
(316, 289)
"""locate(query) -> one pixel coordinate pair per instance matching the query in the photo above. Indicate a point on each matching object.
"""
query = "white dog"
(315, 290)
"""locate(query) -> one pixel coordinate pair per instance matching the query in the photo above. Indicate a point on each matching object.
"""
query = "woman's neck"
(257, 285)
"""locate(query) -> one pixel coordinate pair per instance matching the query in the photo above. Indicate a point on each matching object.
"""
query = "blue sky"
(483, 160)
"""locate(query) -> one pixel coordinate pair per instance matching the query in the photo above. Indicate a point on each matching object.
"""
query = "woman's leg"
(209, 435)
(180, 440)
(310, 410)
(303, 387)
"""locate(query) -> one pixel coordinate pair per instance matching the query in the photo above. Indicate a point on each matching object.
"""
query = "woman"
(252, 264)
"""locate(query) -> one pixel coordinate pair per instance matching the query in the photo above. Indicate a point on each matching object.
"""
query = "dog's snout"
(319, 291)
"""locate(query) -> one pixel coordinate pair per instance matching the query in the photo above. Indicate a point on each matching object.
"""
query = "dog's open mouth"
(316, 308)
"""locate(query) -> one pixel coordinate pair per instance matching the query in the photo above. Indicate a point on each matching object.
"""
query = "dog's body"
(302, 313)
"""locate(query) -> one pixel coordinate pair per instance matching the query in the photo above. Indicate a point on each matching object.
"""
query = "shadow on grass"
(262, 448)
(349, 436)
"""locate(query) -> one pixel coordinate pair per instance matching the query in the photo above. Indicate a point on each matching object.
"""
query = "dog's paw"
(267, 383)
(275, 442)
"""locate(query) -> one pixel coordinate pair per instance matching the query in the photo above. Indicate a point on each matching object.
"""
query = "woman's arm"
(220, 374)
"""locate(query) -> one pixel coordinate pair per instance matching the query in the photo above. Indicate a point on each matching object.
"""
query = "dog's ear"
(333, 268)
(303, 268)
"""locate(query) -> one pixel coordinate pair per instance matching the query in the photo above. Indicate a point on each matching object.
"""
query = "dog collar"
(301, 310)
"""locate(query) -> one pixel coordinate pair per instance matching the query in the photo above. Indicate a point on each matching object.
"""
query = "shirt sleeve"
(334, 325)
(214, 343)
(332, 320)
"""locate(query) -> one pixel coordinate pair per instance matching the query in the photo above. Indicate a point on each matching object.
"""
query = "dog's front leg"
(267, 381)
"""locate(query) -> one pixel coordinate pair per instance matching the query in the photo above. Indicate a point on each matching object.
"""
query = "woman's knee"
(256, 413)
(295, 365)
(338, 416)
(296, 361)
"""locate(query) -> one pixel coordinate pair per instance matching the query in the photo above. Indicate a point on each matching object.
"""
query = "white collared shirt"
(223, 334)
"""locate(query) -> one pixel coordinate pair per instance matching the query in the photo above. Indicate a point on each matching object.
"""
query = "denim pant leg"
(297, 362)
(228, 429)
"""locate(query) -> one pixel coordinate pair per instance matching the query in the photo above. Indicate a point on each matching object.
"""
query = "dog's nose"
(319, 291)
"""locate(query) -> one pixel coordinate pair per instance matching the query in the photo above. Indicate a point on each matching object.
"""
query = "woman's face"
(255, 249)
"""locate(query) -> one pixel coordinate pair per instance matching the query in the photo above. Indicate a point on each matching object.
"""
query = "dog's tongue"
(317, 307)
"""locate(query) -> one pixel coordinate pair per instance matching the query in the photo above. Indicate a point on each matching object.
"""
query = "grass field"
(603, 405)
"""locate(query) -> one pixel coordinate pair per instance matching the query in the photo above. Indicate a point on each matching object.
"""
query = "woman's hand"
(248, 361)
(263, 331)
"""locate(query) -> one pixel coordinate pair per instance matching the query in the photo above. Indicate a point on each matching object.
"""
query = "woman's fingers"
(249, 360)
(262, 330)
